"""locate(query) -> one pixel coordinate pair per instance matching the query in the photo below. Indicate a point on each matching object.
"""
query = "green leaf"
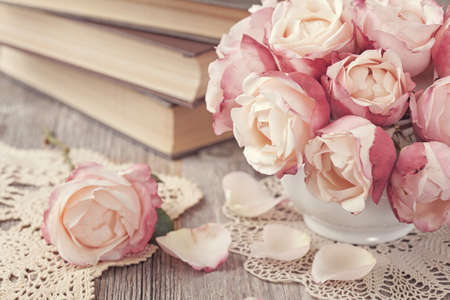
(157, 179)
(163, 226)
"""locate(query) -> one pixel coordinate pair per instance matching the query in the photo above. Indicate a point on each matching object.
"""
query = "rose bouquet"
(334, 88)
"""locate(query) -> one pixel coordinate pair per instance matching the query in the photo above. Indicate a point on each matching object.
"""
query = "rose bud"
(348, 161)
(279, 113)
(240, 52)
(404, 26)
(306, 32)
(419, 189)
(430, 112)
(99, 215)
(372, 85)
(441, 48)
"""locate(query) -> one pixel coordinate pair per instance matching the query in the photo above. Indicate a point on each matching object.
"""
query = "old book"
(241, 4)
(170, 129)
(167, 65)
(183, 18)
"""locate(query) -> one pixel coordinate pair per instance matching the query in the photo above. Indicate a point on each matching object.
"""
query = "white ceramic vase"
(375, 224)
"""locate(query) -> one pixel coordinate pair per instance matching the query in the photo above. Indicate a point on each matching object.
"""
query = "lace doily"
(31, 269)
(415, 267)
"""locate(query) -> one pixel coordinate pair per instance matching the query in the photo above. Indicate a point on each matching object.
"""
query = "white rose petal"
(204, 247)
(341, 262)
(281, 242)
(245, 196)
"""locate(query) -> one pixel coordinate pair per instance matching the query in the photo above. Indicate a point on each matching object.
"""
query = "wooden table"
(24, 113)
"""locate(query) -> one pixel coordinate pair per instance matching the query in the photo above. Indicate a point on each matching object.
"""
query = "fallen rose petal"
(245, 196)
(204, 247)
(281, 242)
(341, 262)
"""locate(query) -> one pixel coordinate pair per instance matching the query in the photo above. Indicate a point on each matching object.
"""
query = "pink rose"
(240, 52)
(279, 113)
(430, 113)
(306, 32)
(441, 48)
(372, 85)
(404, 26)
(257, 25)
(348, 161)
(419, 189)
(99, 215)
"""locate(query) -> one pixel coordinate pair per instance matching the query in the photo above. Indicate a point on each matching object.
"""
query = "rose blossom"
(99, 215)
(419, 189)
(305, 33)
(405, 26)
(348, 161)
(279, 113)
(441, 48)
(430, 113)
(240, 52)
(372, 85)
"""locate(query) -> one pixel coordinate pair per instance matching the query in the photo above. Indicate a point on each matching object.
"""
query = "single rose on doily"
(240, 52)
(277, 116)
(306, 32)
(372, 85)
(419, 189)
(99, 215)
(204, 247)
(341, 262)
(404, 26)
(430, 112)
(348, 161)
(441, 49)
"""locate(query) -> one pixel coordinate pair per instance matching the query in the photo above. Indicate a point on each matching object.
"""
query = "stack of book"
(139, 66)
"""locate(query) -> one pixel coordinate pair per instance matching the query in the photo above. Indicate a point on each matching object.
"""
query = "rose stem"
(50, 139)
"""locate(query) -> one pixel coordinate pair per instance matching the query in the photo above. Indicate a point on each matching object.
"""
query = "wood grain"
(24, 113)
